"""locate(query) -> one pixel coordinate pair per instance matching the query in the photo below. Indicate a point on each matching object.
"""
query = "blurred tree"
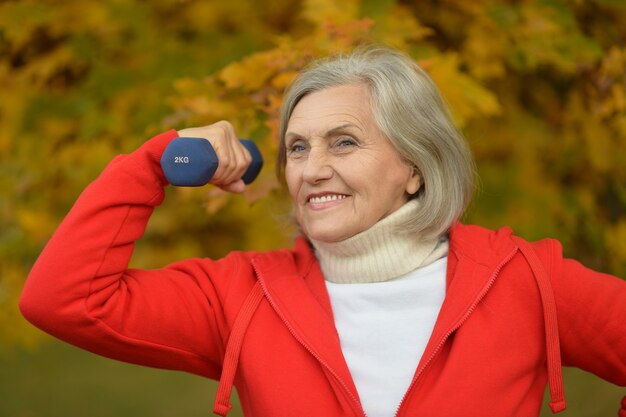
(538, 87)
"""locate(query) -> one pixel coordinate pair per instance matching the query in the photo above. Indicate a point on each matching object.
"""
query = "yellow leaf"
(619, 99)
(252, 72)
(484, 50)
(284, 79)
(320, 12)
(614, 63)
(399, 27)
(467, 98)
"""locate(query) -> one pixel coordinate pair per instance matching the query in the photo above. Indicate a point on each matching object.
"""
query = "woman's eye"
(345, 142)
(297, 148)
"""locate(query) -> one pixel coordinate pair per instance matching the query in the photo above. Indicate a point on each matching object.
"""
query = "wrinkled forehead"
(324, 109)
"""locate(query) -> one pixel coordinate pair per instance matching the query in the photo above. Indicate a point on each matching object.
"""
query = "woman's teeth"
(326, 198)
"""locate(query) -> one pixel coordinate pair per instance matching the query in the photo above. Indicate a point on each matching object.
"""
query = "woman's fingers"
(233, 157)
(231, 154)
(234, 187)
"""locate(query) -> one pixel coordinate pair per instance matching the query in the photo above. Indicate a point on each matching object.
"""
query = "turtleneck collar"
(380, 253)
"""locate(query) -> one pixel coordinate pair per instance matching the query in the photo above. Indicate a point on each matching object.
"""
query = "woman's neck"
(380, 253)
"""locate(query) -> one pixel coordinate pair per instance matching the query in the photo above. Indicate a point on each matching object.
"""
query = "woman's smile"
(323, 201)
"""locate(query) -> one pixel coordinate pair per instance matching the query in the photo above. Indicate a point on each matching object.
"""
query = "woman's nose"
(318, 166)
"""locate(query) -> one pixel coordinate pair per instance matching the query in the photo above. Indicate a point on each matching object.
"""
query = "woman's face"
(343, 174)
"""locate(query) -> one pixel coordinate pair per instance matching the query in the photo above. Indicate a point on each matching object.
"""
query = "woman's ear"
(415, 181)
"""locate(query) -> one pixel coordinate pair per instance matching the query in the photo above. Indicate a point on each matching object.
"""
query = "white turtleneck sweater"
(386, 289)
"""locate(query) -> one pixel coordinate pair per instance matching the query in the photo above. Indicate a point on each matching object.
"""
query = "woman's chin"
(327, 236)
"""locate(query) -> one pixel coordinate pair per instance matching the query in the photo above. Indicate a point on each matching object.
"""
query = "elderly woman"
(386, 306)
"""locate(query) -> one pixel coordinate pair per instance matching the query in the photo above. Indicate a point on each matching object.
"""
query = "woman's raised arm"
(81, 290)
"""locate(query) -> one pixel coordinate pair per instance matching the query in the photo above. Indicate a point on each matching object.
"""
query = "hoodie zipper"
(305, 345)
(484, 292)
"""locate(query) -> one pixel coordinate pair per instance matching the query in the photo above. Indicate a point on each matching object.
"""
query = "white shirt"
(384, 328)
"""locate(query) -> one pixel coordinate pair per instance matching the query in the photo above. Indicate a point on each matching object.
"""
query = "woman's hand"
(233, 158)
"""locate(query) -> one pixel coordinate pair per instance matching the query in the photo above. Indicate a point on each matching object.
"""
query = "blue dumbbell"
(191, 162)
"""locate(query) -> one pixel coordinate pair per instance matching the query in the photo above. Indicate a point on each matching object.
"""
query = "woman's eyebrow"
(342, 128)
(291, 137)
(329, 133)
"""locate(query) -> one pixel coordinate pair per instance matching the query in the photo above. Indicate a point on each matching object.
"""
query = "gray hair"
(410, 111)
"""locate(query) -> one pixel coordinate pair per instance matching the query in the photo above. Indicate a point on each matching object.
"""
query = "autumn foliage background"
(537, 86)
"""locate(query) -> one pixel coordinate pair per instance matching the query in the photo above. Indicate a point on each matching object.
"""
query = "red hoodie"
(263, 321)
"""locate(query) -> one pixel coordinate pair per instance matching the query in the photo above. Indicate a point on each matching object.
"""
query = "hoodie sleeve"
(81, 290)
(591, 311)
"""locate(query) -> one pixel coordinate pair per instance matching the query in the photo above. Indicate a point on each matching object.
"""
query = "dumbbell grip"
(192, 162)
